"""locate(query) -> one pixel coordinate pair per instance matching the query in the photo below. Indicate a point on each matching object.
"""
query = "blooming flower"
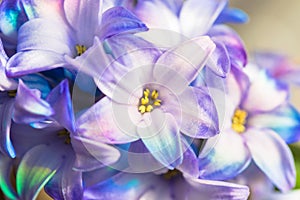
(66, 29)
(253, 110)
(150, 99)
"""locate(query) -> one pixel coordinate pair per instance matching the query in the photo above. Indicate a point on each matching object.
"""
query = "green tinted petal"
(5, 183)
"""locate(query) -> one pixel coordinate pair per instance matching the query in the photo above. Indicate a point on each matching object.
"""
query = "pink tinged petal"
(40, 9)
(155, 14)
(35, 170)
(178, 67)
(189, 165)
(264, 94)
(233, 43)
(199, 114)
(29, 106)
(6, 112)
(197, 17)
(272, 155)
(33, 61)
(99, 123)
(215, 190)
(60, 101)
(5, 178)
(118, 20)
(6, 83)
(161, 137)
(227, 158)
(284, 120)
(219, 61)
(91, 155)
(83, 17)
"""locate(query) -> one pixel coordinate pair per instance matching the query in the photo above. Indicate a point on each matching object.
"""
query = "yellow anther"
(157, 102)
(145, 100)
(149, 108)
(12, 93)
(154, 94)
(148, 104)
(239, 121)
(142, 109)
(80, 49)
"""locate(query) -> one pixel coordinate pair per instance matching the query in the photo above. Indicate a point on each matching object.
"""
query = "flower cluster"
(147, 99)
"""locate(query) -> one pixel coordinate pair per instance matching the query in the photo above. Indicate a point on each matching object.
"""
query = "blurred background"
(274, 25)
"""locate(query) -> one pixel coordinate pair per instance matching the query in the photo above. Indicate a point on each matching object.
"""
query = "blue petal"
(232, 15)
(284, 120)
(162, 139)
(6, 146)
(119, 20)
(35, 81)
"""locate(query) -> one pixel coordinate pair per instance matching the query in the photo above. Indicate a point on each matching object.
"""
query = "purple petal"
(61, 103)
(118, 20)
(91, 155)
(5, 178)
(215, 190)
(189, 165)
(284, 120)
(228, 157)
(265, 144)
(199, 114)
(99, 124)
(162, 138)
(271, 92)
(33, 61)
(178, 67)
(6, 83)
(219, 61)
(35, 170)
(83, 17)
(155, 14)
(6, 112)
(46, 35)
(197, 16)
(124, 186)
(233, 43)
(66, 183)
(29, 106)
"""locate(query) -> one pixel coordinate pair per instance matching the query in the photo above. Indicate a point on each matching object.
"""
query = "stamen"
(239, 121)
(80, 49)
(12, 93)
(66, 134)
(172, 174)
(147, 104)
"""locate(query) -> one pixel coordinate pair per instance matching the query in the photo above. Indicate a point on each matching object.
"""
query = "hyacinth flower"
(170, 185)
(66, 29)
(189, 19)
(52, 136)
(257, 121)
(148, 98)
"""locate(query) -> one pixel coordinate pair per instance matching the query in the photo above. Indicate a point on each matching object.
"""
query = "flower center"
(149, 101)
(80, 49)
(12, 93)
(239, 121)
(64, 133)
(171, 174)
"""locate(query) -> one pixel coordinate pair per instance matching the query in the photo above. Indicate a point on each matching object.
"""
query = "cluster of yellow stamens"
(80, 49)
(149, 101)
(171, 174)
(66, 134)
(12, 93)
(239, 121)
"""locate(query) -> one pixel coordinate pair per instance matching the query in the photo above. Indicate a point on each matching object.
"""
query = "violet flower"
(253, 109)
(149, 98)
